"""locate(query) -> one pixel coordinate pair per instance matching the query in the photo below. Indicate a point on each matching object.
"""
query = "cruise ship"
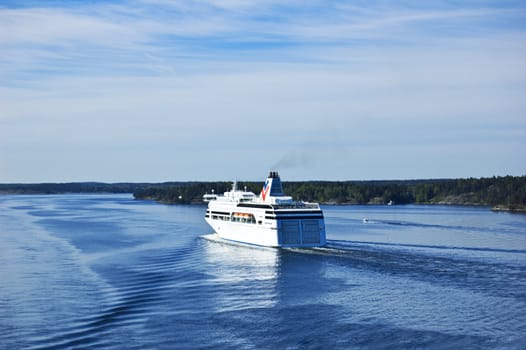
(271, 219)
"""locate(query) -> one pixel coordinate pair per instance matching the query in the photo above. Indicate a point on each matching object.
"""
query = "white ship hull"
(289, 233)
(245, 233)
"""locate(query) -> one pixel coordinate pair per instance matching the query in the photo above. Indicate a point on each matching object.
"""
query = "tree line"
(73, 187)
(503, 192)
(507, 192)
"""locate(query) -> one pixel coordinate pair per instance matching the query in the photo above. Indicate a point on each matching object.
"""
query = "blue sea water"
(109, 272)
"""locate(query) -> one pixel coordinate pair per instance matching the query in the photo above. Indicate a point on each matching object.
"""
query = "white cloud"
(178, 82)
(52, 26)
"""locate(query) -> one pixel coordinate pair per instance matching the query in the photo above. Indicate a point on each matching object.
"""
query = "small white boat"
(207, 197)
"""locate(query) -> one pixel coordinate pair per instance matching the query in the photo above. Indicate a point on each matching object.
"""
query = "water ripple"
(184, 292)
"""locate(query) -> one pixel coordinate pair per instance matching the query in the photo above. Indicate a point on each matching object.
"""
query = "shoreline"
(506, 193)
(516, 209)
(494, 208)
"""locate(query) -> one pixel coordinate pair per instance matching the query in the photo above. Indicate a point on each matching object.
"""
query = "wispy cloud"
(210, 28)
(154, 76)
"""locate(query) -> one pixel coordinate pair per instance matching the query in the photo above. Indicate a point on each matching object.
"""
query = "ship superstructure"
(271, 219)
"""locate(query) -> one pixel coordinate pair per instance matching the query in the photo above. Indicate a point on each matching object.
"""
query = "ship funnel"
(272, 187)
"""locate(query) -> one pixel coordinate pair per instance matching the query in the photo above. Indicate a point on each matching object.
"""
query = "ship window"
(243, 218)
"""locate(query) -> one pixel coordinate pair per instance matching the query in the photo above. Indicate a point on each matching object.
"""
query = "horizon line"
(231, 180)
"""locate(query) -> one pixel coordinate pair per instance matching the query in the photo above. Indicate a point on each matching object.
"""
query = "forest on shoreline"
(500, 193)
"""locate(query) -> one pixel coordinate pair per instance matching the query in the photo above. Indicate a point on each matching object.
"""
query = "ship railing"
(298, 205)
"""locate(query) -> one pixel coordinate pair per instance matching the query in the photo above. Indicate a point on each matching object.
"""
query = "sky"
(159, 90)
